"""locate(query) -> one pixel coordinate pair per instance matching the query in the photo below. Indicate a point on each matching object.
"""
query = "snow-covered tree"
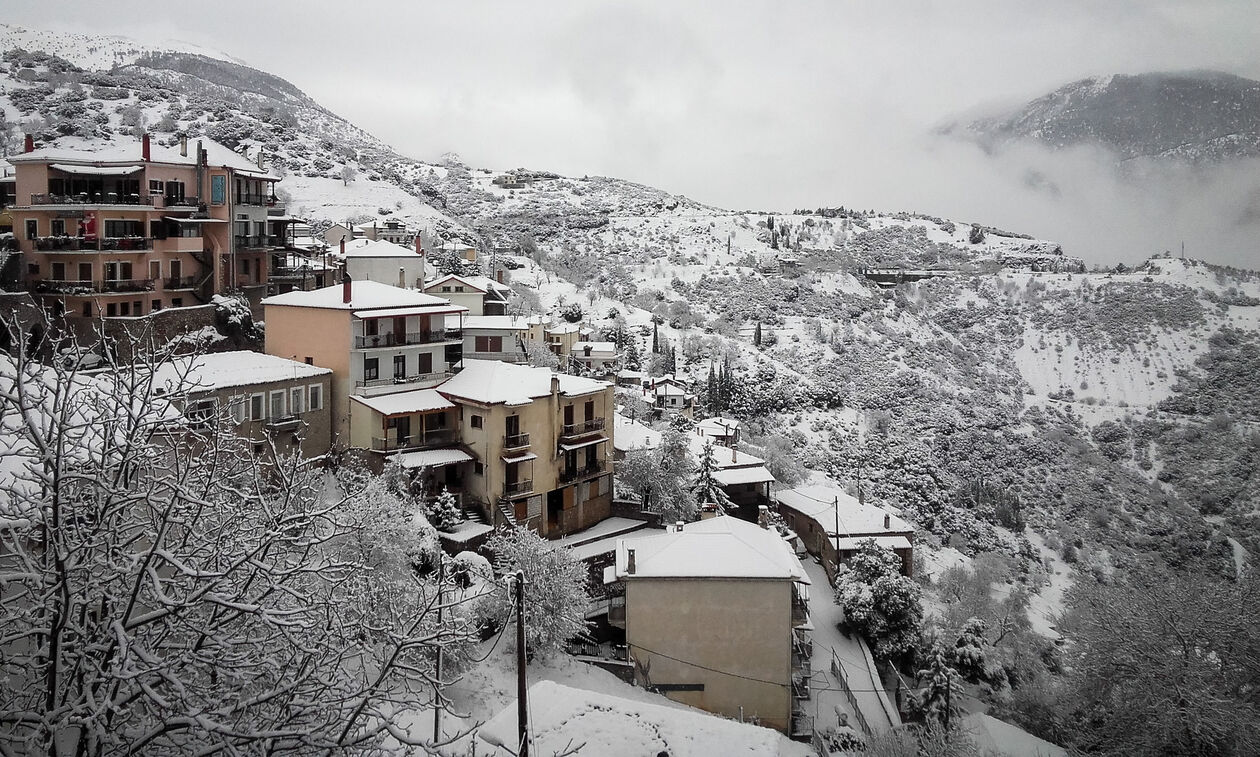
(444, 512)
(167, 591)
(878, 602)
(555, 588)
(706, 489)
(540, 355)
(940, 695)
(348, 174)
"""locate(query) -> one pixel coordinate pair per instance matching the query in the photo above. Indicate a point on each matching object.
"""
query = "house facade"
(832, 524)
(386, 262)
(125, 229)
(376, 339)
(716, 616)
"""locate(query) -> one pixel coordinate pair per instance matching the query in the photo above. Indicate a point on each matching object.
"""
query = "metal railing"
(249, 241)
(428, 438)
(507, 357)
(404, 379)
(515, 441)
(573, 474)
(179, 282)
(107, 286)
(842, 677)
(251, 198)
(392, 339)
(584, 427)
(90, 198)
(80, 244)
(518, 488)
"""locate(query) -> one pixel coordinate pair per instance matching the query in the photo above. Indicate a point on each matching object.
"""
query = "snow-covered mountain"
(1192, 116)
(1111, 402)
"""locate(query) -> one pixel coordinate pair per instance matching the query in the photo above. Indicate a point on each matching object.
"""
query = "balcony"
(81, 244)
(249, 242)
(513, 442)
(55, 286)
(399, 380)
(179, 282)
(507, 357)
(96, 198)
(801, 665)
(182, 202)
(582, 428)
(249, 198)
(800, 609)
(392, 339)
(181, 244)
(575, 474)
(521, 488)
(285, 423)
(419, 440)
(617, 611)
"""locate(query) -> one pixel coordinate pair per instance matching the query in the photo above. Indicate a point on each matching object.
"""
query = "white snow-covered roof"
(720, 547)
(723, 457)
(488, 284)
(364, 295)
(823, 504)
(450, 279)
(401, 403)
(609, 726)
(491, 323)
(562, 328)
(430, 458)
(598, 349)
(669, 390)
(382, 249)
(222, 370)
(493, 381)
(629, 435)
(753, 474)
(717, 426)
(626, 373)
(446, 309)
(847, 543)
(130, 151)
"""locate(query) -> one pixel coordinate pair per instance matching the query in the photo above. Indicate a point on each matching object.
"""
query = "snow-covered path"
(827, 696)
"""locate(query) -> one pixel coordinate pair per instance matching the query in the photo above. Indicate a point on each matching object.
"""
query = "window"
(310, 360)
(174, 191)
(475, 421)
(59, 271)
(155, 269)
(296, 395)
(239, 409)
(315, 394)
(32, 228)
(488, 344)
(277, 404)
(371, 327)
(446, 289)
(124, 308)
(156, 187)
(371, 370)
(257, 407)
(58, 227)
(124, 228)
(400, 366)
(87, 309)
(426, 363)
(85, 271)
(200, 413)
(177, 302)
(478, 468)
(32, 269)
(155, 305)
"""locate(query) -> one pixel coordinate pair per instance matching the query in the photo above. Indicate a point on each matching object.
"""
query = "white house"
(386, 263)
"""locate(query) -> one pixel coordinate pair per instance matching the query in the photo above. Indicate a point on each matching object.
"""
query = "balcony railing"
(421, 439)
(250, 241)
(56, 286)
(518, 488)
(95, 198)
(515, 441)
(617, 611)
(800, 610)
(80, 244)
(180, 202)
(405, 379)
(284, 423)
(507, 357)
(179, 282)
(584, 427)
(573, 474)
(392, 339)
(249, 198)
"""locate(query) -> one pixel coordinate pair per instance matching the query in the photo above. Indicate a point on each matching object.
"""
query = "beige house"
(496, 337)
(420, 430)
(274, 402)
(125, 228)
(480, 294)
(377, 339)
(832, 524)
(541, 443)
(716, 616)
(388, 230)
(596, 358)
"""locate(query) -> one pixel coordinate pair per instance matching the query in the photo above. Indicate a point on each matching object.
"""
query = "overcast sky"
(739, 104)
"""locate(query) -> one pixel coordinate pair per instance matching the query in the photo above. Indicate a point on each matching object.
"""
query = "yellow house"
(716, 617)
(377, 339)
(541, 443)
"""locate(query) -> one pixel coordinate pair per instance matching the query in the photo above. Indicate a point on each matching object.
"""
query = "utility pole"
(437, 705)
(522, 706)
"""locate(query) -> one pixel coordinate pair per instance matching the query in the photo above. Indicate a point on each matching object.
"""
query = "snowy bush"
(555, 589)
(879, 602)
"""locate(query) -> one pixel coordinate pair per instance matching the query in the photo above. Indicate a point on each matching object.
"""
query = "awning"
(431, 458)
(580, 445)
(402, 403)
(520, 458)
(96, 170)
(401, 312)
(757, 474)
(193, 220)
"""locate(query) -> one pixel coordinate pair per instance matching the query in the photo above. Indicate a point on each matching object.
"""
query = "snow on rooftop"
(720, 547)
(717, 426)
(563, 328)
(562, 717)
(492, 382)
(609, 348)
(823, 504)
(221, 370)
(452, 278)
(129, 151)
(753, 474)
(629, 435)
(490, 323)
(381, 249)
(399, 403)
(364, 295)
(723, 457)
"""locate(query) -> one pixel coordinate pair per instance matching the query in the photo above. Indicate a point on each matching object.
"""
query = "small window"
(478, 468)
(277, 404)
(177, 302)
(155, 305)
(59, 271)
(371, 369)
(239, 409)
(257, 407)
(315, 393)
(475, 421)
(58, 227)
(201, 412)
(310, 360)
(156, 187)
(111, 310)
(87, 309)
(296, 395)
(446, 289)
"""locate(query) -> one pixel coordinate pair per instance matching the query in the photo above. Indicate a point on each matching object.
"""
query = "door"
(177, 269)
(568, 417)
(555, 506)
(155, 269)
(400, 331)
(403, 427)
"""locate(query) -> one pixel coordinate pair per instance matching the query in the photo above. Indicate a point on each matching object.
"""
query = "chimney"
(183, 145)
(498, 275)
(586, 351)
(30, 143)
(402, 277)
(678, 526)
(144, 147)
(555, 384)
(732, 454)
(708, 511)
(345, 287)
(887, 521)
(419, 245)
(763, 516)
(343, 248)
(630, 561)
(260, 157)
